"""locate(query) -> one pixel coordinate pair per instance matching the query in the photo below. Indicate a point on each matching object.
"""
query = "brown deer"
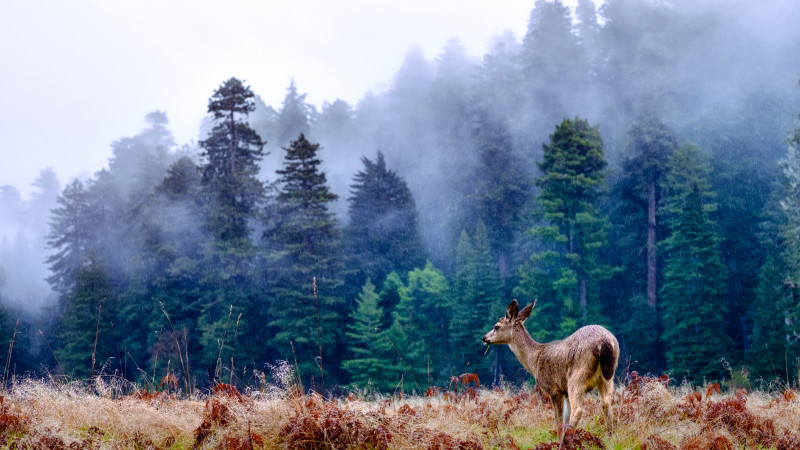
(565, 370)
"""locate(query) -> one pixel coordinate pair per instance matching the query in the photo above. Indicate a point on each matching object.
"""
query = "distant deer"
(565, 369)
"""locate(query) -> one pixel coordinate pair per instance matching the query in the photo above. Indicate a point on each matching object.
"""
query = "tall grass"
(648, 412)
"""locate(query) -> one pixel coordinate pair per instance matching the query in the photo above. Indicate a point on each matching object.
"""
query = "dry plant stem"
(188, 377)
(299, 375)
(184, 367)
(319, 332)
(222, 344)
(233, 350)
(155, 364)
(55, 358)
(10, 350)
(96, 334)
(400, 355)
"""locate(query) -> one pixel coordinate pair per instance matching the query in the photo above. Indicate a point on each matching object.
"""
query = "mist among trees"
(635, 166)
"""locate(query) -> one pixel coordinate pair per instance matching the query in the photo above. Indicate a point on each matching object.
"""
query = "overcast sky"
(76, 75)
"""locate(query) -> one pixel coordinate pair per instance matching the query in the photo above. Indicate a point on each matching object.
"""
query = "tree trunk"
(232, 155)
(498, 365)
(582, 284)
(651, 248)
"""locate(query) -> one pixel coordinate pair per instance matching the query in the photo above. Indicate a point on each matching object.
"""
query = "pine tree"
(651, 144)
(173, 242)
(410, 369)
(87, 219)
(638, 228)
(69, 237)
(372, 352)
(499, 82)
(687, 167)
(693, 294)
(233, 196)
(789, 238)
(42, 202)
(573, 174)
(553, 65)
(139, 163)
(232, 151)
(499, 189)
(477, 298)
(383, 233)
(84, 328)
(772, 307)
(306, 241)
(335, 122)
(293, 120)
(430, 292)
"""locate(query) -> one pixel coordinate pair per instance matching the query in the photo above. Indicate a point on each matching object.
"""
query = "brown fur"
(565, 369)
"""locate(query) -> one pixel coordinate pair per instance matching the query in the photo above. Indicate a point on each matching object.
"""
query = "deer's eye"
(497, 327)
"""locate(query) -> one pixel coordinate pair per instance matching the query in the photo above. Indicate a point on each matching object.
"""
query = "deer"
(565, 370)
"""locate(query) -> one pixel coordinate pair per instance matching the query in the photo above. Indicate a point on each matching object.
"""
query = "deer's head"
(511, 323)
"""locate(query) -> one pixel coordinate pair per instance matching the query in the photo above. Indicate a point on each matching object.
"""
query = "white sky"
(76, 75)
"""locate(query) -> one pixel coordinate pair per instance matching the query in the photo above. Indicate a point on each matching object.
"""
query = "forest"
(634, 165)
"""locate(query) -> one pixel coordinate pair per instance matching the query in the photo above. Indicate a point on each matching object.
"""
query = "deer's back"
(584, 352)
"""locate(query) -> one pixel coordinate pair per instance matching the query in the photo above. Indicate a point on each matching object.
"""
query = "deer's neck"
(526, 350)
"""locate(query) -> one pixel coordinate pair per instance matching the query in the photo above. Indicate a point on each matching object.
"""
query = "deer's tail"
(607, 358)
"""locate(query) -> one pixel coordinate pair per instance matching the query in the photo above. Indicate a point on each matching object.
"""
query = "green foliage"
(477, 297)
(84, 329)
(500, 189)
(687, 167)
(693, 294)
(233, 197)
(68, 237)
(463, 134)
(373, 356)
(306, 247)
(430, 292)
(553, 65)
(383, 233)
(401, 331)
(573, 173)
(771, 309)
(419, 328)
(232, 151)
(139, 163)
(637, 229)
(294, 116)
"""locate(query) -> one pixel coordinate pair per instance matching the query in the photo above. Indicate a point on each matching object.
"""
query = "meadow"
(649, 413)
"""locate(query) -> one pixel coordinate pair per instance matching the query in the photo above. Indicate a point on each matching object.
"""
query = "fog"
(709, 69)
(451, 122)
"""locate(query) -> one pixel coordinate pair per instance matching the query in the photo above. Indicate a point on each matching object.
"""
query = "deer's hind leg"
(606, 389)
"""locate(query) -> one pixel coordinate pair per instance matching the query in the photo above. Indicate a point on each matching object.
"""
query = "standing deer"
(565, 370)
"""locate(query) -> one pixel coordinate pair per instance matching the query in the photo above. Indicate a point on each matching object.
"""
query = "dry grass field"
(648, 413)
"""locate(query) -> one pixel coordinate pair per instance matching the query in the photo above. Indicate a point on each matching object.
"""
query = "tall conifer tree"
(371, 350)
(476, 304)
(233, 197)
(383, 233)
(306, 241)
(84, 329)
(694, 294)
(573, 174)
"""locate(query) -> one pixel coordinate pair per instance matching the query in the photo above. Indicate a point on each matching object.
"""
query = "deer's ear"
(513, 309)
(526, 312)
